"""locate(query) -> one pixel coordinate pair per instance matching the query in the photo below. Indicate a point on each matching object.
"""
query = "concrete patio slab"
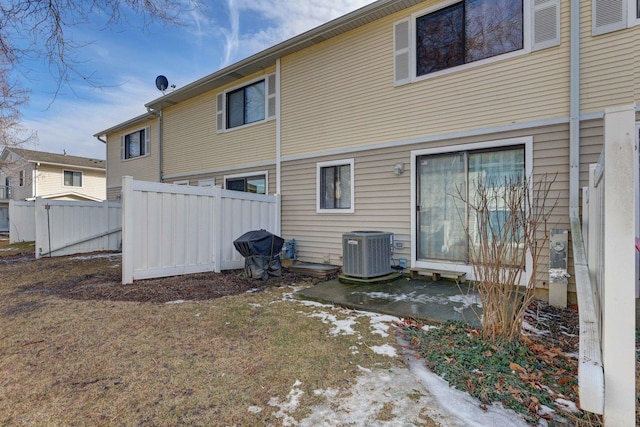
(427, 301)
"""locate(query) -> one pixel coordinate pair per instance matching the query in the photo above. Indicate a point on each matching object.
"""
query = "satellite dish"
(162, 83)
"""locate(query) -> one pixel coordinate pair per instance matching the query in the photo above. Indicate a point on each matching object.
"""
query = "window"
(182, 182)
(335, 187)
(467, 31)
(442, 215)
(245, 105)
(134, 144)
(72, 179)
(463, 33)
(251, 103)
(22, 178)
(248, 183)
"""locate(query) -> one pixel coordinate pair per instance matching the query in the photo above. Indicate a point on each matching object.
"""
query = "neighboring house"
(27, 174)
(369, 121)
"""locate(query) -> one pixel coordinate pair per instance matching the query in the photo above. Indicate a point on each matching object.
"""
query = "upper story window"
(254, 183)
(248, 104)
(135, 144)
(245, 105)
(467, 31)
(458, 34)
(72, 179)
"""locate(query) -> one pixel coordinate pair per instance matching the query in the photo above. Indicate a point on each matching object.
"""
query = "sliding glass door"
(444, 181)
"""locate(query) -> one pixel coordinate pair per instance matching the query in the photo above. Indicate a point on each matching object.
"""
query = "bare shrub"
(508, 225)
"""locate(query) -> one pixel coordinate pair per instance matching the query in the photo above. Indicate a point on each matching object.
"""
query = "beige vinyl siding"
(340, 93)
(383, 200)
(145, 168)
(114, 194)
(192, 144)
(50, 180)
(610, 66)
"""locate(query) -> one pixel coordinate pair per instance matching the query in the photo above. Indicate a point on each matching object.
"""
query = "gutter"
(590, 369)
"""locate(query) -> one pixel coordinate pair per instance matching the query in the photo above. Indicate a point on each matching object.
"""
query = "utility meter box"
(558, 275)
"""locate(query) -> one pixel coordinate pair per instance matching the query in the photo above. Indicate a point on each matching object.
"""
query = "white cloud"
(283, 19)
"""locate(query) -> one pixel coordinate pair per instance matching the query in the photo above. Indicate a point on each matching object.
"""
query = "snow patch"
(254, 409)
(341, 327)
(385, 350)
(96, 256)
(460, 407)
(292, 403)
(568, 405)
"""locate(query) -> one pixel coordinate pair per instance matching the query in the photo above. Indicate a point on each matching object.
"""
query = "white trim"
(526, 43)
(527, 141)
(278, 132)
(432, 138)
(632, 14)
(636, 180)
(218, 170)
(249, 174)
(73, 171)
(267, 118)
(342, 162)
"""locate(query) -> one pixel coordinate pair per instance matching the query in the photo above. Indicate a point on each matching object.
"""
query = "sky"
(123, 62)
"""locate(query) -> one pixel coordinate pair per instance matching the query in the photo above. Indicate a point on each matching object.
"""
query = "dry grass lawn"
(212, 362)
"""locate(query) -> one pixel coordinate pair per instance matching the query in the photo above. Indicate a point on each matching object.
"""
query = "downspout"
(590, 369)
(278, 148)
(158, 113)
(34, 181)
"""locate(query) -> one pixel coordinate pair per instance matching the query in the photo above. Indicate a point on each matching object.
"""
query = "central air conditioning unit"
(366, 254)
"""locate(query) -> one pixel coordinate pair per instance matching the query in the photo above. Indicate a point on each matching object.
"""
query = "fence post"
(217, 228)
(128, 240)
(619, 274)
(277, 215)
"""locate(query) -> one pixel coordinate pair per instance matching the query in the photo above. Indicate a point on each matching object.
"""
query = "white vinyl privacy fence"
(22, 221)
(173, 229)
(606, 297)
(70, 227)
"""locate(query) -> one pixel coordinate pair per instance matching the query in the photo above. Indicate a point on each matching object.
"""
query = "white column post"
(128, 249)
(217, 229)
(619, 260)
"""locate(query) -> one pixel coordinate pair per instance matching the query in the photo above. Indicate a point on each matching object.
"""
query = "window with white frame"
(254, 102)
(446, 229)
(461, 33)
(335, 187)
(135, 144)
(72, 179)
(248, 183)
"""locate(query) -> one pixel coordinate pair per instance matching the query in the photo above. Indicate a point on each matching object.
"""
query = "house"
(363, 122)
(27, 174)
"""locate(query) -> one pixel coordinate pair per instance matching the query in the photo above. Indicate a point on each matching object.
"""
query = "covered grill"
(261, 252)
